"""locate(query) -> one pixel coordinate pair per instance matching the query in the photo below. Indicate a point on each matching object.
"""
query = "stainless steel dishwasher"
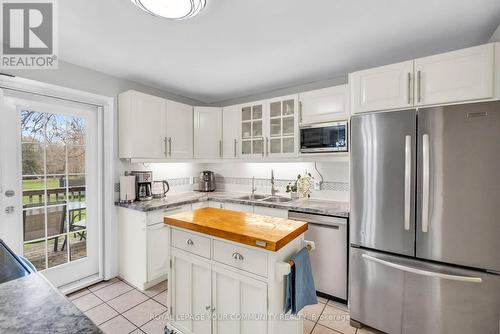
(329, 259)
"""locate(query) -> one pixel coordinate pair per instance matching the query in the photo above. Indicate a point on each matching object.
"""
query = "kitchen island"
(227, 271)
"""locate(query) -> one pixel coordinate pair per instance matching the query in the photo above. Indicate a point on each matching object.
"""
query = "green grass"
(39, 184)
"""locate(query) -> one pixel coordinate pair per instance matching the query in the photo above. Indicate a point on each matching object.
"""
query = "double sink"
(266, 198)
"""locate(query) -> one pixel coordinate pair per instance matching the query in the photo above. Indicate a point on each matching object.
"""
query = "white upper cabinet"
(230, 132)
(154, 128)
(382, 88)
(462, 75)
(252, 129)
(324, 105)
(142, 120)
(207, 133)
(282, 126)
(471, 74)
(179, 130)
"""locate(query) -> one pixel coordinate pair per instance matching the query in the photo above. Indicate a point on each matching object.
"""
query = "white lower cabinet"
(143, 240)
(230, 290)
(191, 295)
(239, 207)
(157, 260)
(199, 205)
(215, 204)
(231, 206)
(233, 295)
(272, 212)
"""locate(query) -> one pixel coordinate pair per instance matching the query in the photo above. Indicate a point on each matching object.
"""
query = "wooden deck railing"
(76, 194)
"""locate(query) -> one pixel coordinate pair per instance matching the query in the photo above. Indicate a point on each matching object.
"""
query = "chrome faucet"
(253, 186)
(273, 187)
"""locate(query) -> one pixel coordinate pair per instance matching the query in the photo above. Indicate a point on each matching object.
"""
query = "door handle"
(300, 111)
(235, 143)
(165, 142)
(10, 193)
(220, 148)
(425, 182)
(419, 77)
(169, 146)
(267, 146)
(407, 198)
(10, 209)
(422, 272)
(409, 88)
(189, 242)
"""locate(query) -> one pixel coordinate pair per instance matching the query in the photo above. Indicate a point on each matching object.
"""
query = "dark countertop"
(325, 207)
(32, 305)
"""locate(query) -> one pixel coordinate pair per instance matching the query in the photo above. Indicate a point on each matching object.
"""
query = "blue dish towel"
(300, 289)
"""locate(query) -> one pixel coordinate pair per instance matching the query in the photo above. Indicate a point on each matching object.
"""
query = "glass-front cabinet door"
(283, 127)
(252, 130)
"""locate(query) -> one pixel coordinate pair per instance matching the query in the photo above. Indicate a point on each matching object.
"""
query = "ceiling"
(236, 48)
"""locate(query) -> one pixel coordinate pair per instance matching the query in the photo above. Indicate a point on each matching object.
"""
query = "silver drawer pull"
(189, 242)
(238, 256)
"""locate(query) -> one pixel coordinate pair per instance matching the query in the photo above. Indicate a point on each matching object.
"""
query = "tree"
(31, 161)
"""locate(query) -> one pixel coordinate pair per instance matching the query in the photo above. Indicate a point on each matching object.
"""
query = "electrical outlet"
(317, 185)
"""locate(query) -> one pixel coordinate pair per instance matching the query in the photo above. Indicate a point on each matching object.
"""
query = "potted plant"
(301, 187)
(292, 189)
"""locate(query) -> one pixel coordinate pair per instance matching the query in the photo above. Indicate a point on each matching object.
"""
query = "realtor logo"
(28, 34)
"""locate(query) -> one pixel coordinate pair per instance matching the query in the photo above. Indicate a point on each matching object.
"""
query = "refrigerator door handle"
(425, 182)
(468, 279)
(407, 199)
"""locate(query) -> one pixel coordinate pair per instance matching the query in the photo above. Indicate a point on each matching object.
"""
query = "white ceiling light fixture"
(171, 9)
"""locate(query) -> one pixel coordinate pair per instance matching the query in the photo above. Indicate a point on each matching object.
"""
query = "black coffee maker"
(143, 185)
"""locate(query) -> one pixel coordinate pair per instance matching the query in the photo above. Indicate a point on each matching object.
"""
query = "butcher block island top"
(254, 230)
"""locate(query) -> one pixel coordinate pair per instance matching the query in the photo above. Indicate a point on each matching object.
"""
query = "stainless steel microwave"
(324, 137)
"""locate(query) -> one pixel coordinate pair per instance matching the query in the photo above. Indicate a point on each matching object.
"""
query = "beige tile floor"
(117, 307)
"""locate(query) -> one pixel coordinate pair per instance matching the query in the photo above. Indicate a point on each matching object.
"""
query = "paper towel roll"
(127, 188)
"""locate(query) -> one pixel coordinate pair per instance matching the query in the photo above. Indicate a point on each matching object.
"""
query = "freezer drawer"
(419, 297)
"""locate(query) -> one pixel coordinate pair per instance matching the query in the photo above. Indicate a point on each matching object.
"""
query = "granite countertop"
(32, 305)
(325, 207)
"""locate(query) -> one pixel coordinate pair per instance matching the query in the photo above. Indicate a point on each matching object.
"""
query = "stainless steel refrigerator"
(425, 220)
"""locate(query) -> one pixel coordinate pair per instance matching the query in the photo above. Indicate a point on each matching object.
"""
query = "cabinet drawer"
(191, 242)
(241, 257)
(155, 217)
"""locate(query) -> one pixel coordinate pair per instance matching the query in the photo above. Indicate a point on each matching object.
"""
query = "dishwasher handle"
(333, 227)
(317, 219)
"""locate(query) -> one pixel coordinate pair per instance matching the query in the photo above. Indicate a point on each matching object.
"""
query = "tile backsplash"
(237, 176)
